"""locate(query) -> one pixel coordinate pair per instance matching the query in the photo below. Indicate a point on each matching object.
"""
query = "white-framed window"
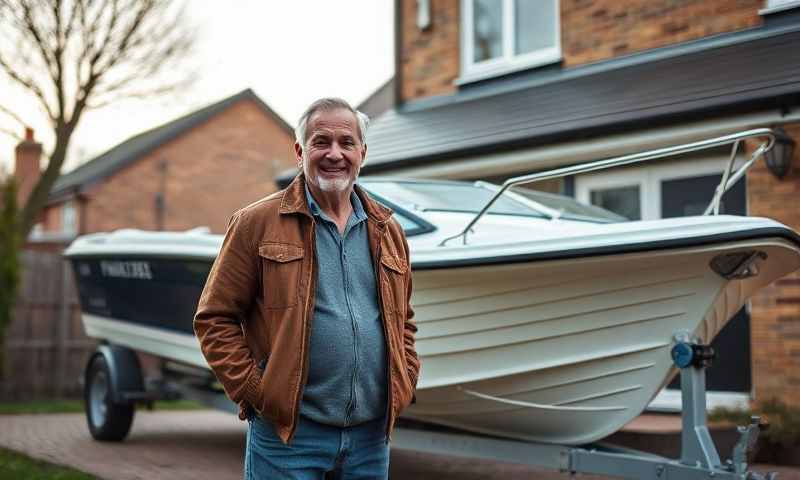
(69, 218)
(613, 190)
(502, 36)
(624, 193)
(772, 6)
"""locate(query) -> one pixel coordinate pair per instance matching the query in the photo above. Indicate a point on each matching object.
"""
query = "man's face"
(333, 151)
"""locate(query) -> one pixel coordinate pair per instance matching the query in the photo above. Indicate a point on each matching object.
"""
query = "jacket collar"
(294, 201)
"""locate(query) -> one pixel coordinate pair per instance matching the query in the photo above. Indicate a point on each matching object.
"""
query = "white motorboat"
(543, 320)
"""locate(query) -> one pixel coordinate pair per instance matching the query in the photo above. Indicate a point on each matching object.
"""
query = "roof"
(728, 73)
(135, 147)
(379, 101)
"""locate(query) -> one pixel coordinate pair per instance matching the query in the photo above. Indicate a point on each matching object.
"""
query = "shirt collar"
(358, 208)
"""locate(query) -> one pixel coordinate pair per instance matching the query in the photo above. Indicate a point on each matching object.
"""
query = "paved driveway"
(203, 444)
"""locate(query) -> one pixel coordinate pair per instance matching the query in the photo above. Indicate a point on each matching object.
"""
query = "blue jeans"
(359, 452)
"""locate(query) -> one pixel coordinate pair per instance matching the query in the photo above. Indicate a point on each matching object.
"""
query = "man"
(305, 317)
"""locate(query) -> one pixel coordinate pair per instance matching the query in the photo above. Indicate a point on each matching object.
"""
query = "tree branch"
(120, 93)
(11, 133)
(58, 57)
(29, 85)
(33, 30)
(13, 115)
(85, 54)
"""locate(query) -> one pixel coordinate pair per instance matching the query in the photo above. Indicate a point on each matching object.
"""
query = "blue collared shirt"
(347, 382)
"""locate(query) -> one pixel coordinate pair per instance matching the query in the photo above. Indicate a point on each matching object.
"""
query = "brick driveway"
(193, 445)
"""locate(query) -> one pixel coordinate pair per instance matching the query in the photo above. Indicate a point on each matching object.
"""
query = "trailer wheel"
(108, 421)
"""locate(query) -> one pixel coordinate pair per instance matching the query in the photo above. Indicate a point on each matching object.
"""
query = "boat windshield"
(570, 208)
(448, 197)
(471, 198)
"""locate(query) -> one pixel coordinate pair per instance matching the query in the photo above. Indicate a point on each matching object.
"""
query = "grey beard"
(337, 185)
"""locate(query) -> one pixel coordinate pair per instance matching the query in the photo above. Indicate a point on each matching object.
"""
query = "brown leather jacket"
(258, 303)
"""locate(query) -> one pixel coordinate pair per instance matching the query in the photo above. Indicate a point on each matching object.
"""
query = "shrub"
(9, 260)
(784, 421)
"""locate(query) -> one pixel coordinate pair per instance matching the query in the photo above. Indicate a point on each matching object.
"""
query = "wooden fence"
(46, 348)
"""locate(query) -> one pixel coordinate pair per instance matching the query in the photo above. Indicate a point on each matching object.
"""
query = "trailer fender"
(124, 369)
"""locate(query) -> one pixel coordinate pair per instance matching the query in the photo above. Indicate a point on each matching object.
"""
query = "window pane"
(623, 201)
(681, 197)
(779, 3)
(534, 25)
(68, 218)
(487, 18)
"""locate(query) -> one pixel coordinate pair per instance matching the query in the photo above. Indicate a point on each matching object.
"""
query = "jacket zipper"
(306, 332)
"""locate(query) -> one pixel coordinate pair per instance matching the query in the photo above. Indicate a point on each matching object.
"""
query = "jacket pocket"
(393, 284)
(281, 267)
(393, 292)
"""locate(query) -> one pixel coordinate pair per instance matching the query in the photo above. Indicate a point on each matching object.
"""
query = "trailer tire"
(108, 421)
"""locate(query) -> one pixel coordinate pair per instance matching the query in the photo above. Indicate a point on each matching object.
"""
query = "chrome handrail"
(727, 181)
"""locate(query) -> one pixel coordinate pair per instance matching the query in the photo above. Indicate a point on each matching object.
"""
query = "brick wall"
(775, 327)
(211, 171)
(591, 30)
(429, 60)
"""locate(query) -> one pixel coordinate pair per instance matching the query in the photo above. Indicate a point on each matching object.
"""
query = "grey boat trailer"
(699, 457)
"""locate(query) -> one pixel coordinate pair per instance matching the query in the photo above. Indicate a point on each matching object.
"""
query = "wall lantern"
(779, 158)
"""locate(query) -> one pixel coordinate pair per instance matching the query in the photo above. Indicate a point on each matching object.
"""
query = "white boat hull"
(585, 349)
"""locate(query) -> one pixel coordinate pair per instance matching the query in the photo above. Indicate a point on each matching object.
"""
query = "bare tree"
(74, 55)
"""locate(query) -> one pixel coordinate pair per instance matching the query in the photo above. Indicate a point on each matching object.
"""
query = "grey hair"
(328, 104)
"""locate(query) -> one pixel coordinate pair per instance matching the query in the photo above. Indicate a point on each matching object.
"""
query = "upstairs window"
(69, 218)
(776, 5)
(502, 36)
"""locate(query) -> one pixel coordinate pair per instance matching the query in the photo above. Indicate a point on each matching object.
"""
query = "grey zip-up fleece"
(347, 379)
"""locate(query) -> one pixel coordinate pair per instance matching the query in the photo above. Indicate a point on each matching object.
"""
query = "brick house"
(192, 171)
(489, 89)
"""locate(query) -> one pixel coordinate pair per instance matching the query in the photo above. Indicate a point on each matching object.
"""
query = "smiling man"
(305, 317)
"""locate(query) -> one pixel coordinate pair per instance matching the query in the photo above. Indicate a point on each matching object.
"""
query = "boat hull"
(569, 351)
(561, 351)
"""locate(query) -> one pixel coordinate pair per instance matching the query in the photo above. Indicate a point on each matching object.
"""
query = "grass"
(14, 466)
(76, 406)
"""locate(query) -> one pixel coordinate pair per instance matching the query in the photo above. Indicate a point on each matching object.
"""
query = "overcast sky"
(288, 52)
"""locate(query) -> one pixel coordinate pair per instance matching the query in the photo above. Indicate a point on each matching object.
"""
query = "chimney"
(26, 168)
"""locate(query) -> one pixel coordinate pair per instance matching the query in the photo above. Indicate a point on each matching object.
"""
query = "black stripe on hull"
(160, 293)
